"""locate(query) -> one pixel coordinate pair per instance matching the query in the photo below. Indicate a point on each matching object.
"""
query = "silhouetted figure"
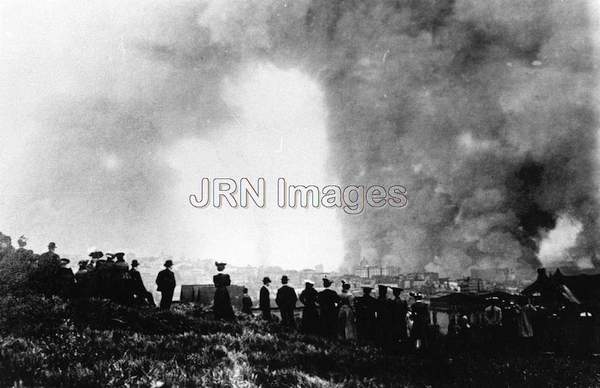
(109, 278)
(421, 320)
(398, 317)
(123, 287)
(264, 301)
(365, 314)
(383, 311)
(140, 293)
(47, 275)
(329, 302)
(286, 301)
(83, 279)
(310, 313)
(246, 302)
(166, 285)
(492, 319)
(346, 316)
(66, 279)
(222, 302)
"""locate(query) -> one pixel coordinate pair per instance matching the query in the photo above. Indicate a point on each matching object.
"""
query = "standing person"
(492, 319)
(46, 276)
(310, 313)
(398, 316)
(421, 320)
(222, 301)
(141, 294)
(347, 324)
(122, 278)
(264, 301)
(166, 285)
(328, 301)
(286, 301)
(66, 279)
(383, 312)
(365, 314)
(83, 279)
(109, 277)
(524, 325)
(246, 302)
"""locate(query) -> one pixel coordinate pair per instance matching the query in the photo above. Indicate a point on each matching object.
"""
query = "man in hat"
(366, 314)
(329, 303)
(166, 285)
(286, 301)
(47, 273)
(398, 317)
(310, 313)
(222, 301)
(384, 316)
(246, 302)
(122, 280)
(264, 301)
(140, 294)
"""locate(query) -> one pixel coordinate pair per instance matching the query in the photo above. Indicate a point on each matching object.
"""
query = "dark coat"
(246, 304)
(264, 302)
(365, 316)
(286, 297)
(329, 302)
(165, 281)
(136, 282)
(310, 313)
(222, 301)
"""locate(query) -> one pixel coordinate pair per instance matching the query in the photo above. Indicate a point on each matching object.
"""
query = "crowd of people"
(388, 320)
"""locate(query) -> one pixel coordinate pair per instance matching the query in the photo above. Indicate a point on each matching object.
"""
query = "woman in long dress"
(346, 315)
(222, 302)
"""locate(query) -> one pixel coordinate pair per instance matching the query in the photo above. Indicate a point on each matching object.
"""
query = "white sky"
(71, 50)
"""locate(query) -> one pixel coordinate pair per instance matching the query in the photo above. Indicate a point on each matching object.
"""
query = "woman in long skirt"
(346, 315)
(222, 302)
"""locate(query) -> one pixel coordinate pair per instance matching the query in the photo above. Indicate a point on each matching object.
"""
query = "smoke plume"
(481, 109)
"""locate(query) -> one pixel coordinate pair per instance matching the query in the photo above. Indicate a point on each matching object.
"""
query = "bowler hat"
(134, 263)
(119, 255)
(220, 264)
(168, 263)
(52, 245)
(284, 279)
(266, 280)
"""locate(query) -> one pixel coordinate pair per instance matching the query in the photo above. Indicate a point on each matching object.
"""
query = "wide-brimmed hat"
(168, 263)
(96, 254)
(64, 261)
(266, 280)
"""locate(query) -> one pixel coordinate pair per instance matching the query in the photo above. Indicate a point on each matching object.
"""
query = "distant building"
(471, 285)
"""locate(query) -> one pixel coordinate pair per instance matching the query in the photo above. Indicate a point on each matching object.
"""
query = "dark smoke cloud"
(482, 109)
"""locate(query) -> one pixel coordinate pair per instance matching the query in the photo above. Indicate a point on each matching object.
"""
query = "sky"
(102, 142)
(112, 112)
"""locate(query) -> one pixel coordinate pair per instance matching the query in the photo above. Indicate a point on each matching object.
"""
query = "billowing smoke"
(481, 109)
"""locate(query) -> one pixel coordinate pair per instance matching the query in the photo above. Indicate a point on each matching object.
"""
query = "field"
(49, 342)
